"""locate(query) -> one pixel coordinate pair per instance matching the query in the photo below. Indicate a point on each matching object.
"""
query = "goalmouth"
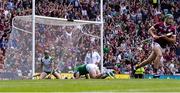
(67, 41)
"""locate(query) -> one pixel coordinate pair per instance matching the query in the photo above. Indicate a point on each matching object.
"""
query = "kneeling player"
(47, 66)
(89, 70)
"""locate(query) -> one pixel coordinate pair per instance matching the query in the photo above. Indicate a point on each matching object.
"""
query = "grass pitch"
(90, 85)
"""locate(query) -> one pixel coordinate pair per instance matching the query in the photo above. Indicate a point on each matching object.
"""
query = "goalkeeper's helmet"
(46, 52)
(169, 16)
(169, 19)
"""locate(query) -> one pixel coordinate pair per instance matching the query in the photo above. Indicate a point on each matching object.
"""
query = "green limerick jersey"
(81, 69)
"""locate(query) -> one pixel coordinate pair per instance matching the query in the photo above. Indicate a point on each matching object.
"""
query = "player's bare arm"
(152, 33)
(171, 39)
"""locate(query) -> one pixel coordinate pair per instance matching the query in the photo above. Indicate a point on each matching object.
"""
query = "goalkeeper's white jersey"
(47, 64)
(92, 58)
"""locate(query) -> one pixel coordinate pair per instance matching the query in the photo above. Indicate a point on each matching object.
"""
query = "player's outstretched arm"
(171, 39)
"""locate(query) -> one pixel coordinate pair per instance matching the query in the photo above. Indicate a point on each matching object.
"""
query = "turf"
(130, 85)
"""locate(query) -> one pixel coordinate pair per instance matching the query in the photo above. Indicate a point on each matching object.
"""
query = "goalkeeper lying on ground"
(90, 71)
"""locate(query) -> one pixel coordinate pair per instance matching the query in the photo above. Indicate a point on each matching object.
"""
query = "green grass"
(153, 85)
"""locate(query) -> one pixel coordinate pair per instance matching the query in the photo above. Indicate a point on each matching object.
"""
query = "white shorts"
(92, 67)
(154, 44)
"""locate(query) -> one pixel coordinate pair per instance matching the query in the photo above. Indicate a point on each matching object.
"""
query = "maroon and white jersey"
(162, 29)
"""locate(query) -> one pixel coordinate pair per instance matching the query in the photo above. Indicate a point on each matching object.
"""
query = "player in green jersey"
(90, 71)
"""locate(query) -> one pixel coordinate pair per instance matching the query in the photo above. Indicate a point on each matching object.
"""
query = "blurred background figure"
(139, 73)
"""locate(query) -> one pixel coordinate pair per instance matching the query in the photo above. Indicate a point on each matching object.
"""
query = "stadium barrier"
(122, 76)
(163, 76)
(66, 76)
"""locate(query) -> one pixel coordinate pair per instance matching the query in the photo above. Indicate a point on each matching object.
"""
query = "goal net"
(68, 43)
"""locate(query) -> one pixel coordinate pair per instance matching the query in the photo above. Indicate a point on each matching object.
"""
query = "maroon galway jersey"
(162, 29)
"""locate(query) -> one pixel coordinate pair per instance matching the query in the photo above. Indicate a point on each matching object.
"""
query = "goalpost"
(67, 41)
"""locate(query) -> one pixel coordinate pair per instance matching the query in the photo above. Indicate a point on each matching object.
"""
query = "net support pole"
(102, 26)
(33, 38)
(159, 5)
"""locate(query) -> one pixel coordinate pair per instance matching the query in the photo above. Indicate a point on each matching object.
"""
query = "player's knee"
(57, 75)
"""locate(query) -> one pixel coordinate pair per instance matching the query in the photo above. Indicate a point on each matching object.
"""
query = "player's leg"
(157, 61)
(106, 73)
(136, 75)
(57, 75)
(100, 75)
(150, 59)
(43, 75)
(36, 75)
(141, 76)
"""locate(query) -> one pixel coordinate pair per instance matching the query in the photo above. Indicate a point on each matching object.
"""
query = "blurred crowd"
(75, 9)
(8, 10)
(126, 40)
